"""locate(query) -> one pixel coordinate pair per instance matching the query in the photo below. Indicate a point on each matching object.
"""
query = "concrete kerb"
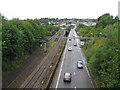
(53, 73)
(91, 74)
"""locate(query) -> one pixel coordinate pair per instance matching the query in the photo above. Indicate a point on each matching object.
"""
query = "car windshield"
(67, 74)
(79, 64)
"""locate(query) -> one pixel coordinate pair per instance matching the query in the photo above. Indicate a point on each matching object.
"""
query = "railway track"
(34, 76)
(35, 79)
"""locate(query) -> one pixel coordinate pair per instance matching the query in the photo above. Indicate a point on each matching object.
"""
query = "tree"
(105, 20)
(21, 38)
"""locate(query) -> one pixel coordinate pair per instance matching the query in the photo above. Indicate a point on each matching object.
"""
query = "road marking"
(61, 68)
(73, 65)
(87, 69)
(75, 87)
(85, 66)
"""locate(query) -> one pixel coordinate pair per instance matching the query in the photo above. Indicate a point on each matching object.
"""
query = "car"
(75, 44)
(67, 77)
(80, 64)
(69, 39)
(69, 49)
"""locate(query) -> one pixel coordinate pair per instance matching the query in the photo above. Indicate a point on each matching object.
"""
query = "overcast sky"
(57, 8)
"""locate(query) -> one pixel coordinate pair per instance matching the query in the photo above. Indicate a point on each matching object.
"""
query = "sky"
(32, 9)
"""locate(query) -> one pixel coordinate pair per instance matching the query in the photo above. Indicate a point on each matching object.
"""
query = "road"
(68, 63)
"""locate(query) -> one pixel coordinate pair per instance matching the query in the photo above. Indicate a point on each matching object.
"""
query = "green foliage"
(52, 30)
(80, 26)
(105, 20)
(20, 38)
(69, 28)
(104, 62)
(89, 31)
(102, 51)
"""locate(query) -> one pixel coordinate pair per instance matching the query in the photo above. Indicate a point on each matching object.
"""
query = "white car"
(75, 44)
(80, 64)
(69, 49)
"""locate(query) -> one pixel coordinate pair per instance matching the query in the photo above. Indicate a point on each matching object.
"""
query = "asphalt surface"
(68, 63)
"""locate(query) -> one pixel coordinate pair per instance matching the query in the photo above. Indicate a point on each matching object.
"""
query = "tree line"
(21, 38)
(103, 49)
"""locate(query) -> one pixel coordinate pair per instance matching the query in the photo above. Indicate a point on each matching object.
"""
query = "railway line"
(32, 75)
(36, 77)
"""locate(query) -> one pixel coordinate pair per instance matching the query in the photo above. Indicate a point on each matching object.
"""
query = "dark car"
(80, 64)
(67, 77)
(69, 39)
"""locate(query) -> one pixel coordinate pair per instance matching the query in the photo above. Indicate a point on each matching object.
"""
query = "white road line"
(61, 68)
(87, 70)
(86, 67)
(75, 87)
